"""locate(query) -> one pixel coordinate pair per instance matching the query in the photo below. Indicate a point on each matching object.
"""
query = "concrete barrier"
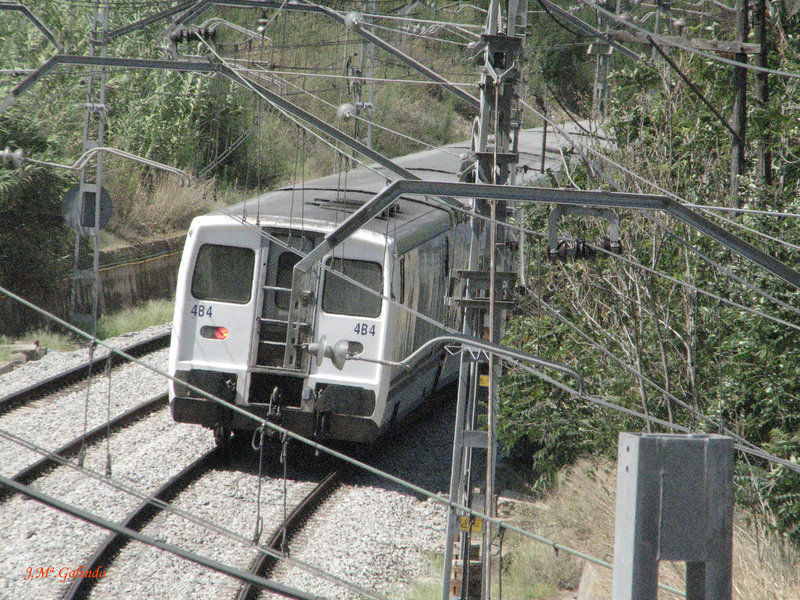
(128, 276)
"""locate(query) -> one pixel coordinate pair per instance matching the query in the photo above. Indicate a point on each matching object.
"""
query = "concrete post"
(674, 502)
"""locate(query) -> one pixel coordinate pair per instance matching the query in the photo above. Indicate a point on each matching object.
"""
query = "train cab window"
(286, 263)
(223, 273)
(340, 297)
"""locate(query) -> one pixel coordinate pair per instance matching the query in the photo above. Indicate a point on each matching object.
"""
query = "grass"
(154, 312)
(427, 587)
(579, 513)
(46, 338)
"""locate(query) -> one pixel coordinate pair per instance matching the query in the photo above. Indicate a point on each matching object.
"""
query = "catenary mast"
(486, 285)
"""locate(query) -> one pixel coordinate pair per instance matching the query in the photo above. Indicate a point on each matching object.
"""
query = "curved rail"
(45, 463)
(137, 519)
(81, 372)
(264, 562)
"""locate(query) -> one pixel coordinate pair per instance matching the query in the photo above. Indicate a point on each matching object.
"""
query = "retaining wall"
(128, 276)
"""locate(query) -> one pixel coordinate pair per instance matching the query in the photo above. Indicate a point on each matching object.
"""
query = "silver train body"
(234, 282)
(232, 301)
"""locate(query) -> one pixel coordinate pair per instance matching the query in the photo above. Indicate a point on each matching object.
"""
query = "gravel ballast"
(376, 534)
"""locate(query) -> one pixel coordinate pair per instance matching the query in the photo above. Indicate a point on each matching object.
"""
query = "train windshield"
(340, 297)
(223, 273)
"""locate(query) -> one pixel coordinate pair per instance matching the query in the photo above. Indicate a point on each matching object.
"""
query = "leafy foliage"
(653, 331)
(34, 237)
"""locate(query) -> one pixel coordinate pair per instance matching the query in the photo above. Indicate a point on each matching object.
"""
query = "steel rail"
(44, 464)
(199, 559)
(266, 561)
(137, 520)
(81, 372)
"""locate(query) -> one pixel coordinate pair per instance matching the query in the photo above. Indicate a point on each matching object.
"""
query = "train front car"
(231, 318)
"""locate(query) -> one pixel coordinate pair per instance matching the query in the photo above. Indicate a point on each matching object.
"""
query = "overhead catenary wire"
(337, 454)
(582, 149)
(746, 211)
(687, 47)
(94, 519)
(640, 376)
(429, 38)
(257, 73)
(316, 445)
(717, 297)
(191, 517)
(388, 17)
(337, 76)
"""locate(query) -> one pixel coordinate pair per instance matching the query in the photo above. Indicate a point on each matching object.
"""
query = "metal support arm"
(599, 199)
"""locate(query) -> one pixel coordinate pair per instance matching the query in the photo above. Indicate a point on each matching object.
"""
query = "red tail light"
(217, 333)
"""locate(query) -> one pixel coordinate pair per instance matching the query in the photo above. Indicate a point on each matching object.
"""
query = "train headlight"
(214, 333)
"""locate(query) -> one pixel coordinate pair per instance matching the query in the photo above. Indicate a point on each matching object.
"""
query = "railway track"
(72, 447)
(105, 554)
(137, 519)
(57, 414)
(226, 497)
(81, 372)
(264, 562)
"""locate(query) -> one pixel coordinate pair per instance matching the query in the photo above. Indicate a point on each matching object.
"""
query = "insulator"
(609, 246)
(584, 250)
(14, 158)
(353, 20)
(345, 112)
(561, 251)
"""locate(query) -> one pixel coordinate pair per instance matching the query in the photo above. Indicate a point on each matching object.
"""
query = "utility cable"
(172, 509)
(581, 148)
(641, 377)
(749, 211)
(418, 35)
(94, 519)
(429, 22)
(321, 448)
(728, 273)
(361, 77)
(256, 73)
(672, 42)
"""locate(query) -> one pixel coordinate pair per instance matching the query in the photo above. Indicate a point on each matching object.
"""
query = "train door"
(214, 308)
(280, 258)
(353, 313)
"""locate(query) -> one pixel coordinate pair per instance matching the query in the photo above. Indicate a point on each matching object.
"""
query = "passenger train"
(232, 308)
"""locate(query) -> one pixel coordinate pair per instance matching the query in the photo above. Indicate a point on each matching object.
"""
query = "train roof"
(330, 200)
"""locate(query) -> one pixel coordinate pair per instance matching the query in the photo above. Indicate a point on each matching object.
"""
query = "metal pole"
(93, 137)
(739, 105)
(762, 86)
(368, 62)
